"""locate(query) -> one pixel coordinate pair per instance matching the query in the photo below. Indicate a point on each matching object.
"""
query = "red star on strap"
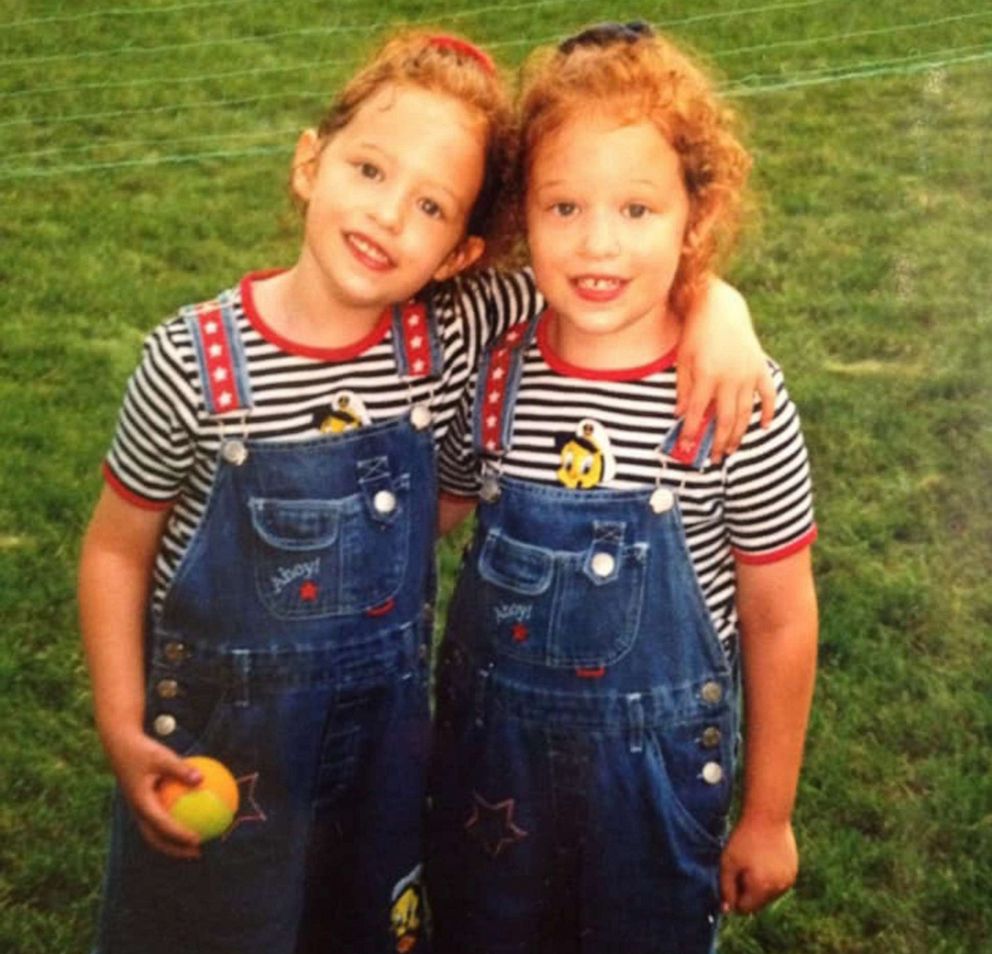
(520, 632)
(308, 591)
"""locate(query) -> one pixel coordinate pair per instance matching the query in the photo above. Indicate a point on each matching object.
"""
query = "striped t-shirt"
(164, 451)
(577, 427)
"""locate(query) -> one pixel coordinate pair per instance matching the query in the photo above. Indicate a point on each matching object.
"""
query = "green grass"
(868, 276)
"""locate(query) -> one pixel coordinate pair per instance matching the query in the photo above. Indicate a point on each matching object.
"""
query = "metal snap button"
(603, 564)
(421, 417)
(662, 500)
(712, 773)
(164, 724)
(167, 689)
(490, 491)
(711, 692)
(234, 452)
(174, 651)
(384, 501)
(711, 737)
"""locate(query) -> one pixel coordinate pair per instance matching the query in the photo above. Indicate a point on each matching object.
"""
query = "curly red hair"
(449, 65)
(636, 76)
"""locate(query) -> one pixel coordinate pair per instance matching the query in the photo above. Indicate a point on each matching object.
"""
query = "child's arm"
(721, 363)
(114, 581)
(778, 619)
(452, 511)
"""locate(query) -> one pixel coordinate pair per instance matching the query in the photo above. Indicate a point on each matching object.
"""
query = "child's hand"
(720, 369)
(140, 763)
(759, 863)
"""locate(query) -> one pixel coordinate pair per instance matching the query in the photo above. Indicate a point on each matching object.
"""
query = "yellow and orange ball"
(208, 808)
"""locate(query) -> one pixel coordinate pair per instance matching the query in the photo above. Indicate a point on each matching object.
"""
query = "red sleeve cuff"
(145, 503)
(773, 556)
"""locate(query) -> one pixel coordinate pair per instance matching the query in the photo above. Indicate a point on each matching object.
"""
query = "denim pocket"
(565, 609)
(695, 778)
(316, 558)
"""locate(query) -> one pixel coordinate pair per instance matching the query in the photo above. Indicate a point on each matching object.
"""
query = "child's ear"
(305, 164)
(468, 251)
(698, 232)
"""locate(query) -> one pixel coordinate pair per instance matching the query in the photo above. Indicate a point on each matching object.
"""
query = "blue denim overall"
(585, 727)
(293, 646)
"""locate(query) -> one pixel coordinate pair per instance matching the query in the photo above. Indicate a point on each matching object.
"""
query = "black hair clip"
(603, 34)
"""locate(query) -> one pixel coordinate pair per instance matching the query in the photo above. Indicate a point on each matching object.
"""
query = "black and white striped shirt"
(164, 452)
(755, 506)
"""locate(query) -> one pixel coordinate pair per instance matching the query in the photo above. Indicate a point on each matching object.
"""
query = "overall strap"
(416, 341)
(499, 379)
(220, 356)
(698, 451)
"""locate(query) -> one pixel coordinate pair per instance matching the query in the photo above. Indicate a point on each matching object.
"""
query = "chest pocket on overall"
(561, 608)
(333, 557)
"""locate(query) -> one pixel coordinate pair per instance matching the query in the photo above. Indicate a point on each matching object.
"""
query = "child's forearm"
(114, 580)
(778, 658)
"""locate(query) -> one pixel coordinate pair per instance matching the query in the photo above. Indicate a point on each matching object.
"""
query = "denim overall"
(293, 646)
(586, 721)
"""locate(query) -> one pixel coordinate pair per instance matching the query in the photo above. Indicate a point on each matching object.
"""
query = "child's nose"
(389, 210)
(600, 239)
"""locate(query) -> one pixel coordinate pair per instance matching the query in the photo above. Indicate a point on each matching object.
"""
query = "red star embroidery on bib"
(492, 825)
(308, 591)
(520, 632)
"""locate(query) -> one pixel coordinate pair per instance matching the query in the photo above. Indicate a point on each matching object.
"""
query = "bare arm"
(452, 511)
(114, 581)
(721, 363)
(778, 616)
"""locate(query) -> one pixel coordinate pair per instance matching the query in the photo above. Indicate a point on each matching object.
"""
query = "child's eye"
(369, 170)
(564, 209)
(431, 208)
(637, 210)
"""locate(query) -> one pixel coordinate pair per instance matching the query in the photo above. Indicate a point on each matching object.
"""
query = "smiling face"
(388, 197)
(607, 209)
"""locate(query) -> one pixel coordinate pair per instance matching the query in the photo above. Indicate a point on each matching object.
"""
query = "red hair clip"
(445, 42)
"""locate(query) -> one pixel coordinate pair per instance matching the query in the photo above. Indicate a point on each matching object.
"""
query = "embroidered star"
(513, 336)
(210, 327)
(416, 341)
(220, 374)
(225, 399)
(308, 591)
(414, 320)
(498, 373)
(491, 420)
(494, 396)
(520, 632)
(249, 809)
(492, 825)
(490, 445)
(216, 351)
(418, 365)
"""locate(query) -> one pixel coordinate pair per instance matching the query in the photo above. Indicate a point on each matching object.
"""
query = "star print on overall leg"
(492, 825)
(250, 810)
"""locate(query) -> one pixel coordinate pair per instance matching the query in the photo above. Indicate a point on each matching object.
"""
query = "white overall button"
(384, 501)
(603, 564)
(234, 452)
(662, 500)
(164, 724)
(421, 417)
(712, 773)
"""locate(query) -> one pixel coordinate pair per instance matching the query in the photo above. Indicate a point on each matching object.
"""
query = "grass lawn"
(144, 148)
